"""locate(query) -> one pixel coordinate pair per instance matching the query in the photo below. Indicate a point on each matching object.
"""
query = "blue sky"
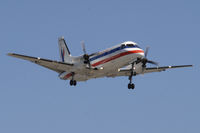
(33, 99)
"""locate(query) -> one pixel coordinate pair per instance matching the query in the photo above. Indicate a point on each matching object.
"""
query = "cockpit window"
(129, 45)
(122, 46)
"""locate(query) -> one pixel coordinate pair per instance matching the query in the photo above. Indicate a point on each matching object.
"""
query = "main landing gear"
(72, 81)
(131, 85)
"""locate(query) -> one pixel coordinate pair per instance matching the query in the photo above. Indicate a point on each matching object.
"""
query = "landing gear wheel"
(131, 86)
(73, 82)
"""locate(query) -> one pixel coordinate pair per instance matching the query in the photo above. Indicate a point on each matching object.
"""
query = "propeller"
(86, 57)
(145, 60)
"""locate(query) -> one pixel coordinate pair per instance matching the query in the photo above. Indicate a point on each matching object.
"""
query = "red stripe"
(68, 75)
(63, 53)
(116, 56)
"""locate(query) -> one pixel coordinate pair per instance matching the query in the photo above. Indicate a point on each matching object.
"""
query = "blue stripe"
(62, 56)
(112, 51)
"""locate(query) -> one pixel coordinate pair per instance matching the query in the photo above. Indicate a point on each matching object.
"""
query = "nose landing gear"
(131, 85)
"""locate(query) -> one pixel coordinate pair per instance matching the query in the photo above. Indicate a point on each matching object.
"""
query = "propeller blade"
(83, 46)
(93, 54)
(146, 52)
(152, 62)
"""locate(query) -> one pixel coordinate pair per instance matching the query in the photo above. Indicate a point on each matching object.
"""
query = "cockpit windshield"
(129, 44)
(122, 46)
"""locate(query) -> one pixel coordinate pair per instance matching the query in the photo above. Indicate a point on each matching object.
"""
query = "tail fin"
(64, 51)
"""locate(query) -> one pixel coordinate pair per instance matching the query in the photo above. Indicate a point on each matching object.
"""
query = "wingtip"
(189, 65)
(10, 54)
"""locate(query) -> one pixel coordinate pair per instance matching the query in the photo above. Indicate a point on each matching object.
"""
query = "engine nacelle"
(65, 75)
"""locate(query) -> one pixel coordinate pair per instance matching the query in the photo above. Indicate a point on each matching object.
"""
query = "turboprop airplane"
(125, 59)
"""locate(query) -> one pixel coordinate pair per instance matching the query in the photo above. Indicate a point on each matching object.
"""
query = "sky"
(33, 99)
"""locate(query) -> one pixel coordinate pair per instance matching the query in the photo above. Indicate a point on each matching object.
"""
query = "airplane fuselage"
(108, 61)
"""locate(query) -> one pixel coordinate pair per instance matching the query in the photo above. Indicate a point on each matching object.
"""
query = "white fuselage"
(109, 60)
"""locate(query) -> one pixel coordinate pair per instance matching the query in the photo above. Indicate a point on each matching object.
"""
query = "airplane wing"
(50, 64)
(159, 69)
(126, 72)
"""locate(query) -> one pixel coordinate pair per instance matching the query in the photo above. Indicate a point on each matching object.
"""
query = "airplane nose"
(140, 53)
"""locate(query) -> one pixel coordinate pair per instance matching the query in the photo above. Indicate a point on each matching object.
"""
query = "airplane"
(124, 59)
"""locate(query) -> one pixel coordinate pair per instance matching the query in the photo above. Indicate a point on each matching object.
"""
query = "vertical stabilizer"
(64, 51)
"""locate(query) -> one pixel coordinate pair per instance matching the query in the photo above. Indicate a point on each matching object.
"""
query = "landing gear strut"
(131, 85)
(72, 81)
